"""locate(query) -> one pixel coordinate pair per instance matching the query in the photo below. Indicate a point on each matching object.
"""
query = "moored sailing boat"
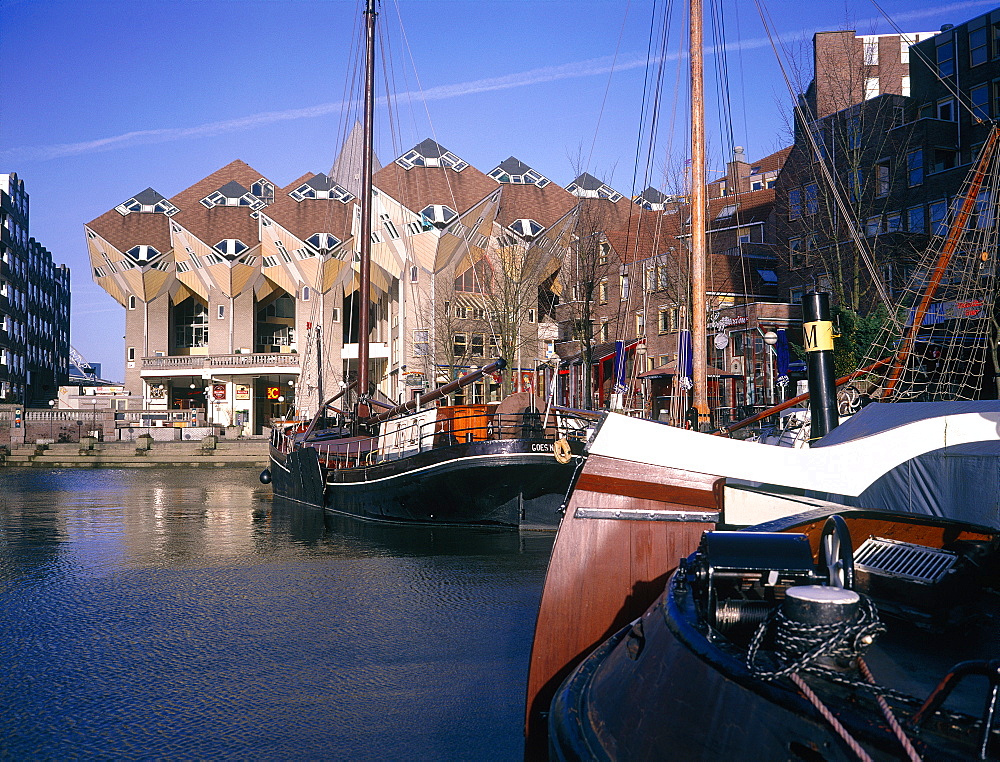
(646, 492)
(506, 465)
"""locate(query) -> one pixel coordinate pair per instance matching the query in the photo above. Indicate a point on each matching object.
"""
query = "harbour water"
(178, 614)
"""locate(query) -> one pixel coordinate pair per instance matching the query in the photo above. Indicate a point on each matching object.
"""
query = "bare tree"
(510, 295)
(587, 268)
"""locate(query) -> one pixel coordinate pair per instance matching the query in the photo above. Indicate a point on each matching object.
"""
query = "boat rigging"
(504, 465)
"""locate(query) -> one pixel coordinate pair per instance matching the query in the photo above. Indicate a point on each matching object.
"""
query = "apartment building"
(34, 306)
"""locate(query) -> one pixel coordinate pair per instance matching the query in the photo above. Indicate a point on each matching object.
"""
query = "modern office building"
(34, 307)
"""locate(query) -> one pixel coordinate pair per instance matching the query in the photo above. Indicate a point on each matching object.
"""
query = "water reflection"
(178, 614)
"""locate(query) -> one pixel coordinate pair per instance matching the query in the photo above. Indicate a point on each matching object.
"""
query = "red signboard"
(218, 391)
(273, 392)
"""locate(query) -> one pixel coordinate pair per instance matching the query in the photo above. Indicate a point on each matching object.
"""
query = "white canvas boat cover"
(957, 482)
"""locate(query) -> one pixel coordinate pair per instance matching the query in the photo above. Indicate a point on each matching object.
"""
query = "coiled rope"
(798, 647)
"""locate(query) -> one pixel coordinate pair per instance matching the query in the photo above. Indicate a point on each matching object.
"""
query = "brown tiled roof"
(419, 187)
(772, 163)
(737, 275)
(754, 206)
(135, 229)
(303, 218)
(543, 205)
(617, 213)
(647, 234)
(219, 222)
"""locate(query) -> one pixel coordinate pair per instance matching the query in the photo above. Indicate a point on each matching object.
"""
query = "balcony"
(186, 365)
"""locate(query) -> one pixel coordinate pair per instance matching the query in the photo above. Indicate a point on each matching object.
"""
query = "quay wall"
(101, 439)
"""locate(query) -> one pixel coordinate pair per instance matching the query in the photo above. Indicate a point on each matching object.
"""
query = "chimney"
(737, 172)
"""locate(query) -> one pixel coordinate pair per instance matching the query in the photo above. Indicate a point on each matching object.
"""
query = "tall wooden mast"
(364, 276)
(698, 214)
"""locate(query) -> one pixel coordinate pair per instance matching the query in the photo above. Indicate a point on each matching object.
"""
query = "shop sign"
(273, 392)
(242, 392)
(218, 391)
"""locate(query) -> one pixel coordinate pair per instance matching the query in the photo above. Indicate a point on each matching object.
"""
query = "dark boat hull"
(648, 693)
(667, 686)
(507, 483)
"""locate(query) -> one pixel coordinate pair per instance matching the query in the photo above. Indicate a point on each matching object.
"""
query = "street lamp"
(770, 338)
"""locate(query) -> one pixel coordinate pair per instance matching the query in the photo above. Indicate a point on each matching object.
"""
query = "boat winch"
(739, 577)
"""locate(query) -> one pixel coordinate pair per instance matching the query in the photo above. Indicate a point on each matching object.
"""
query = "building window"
(978, 47)
(663, 320)
(323, 241)
(602, 253)
(873, 226)
(871, 50)
(944, 158)
(979, 101)
(882, 178)
(796, 253)
(531, 316)
(893, 222)
(640, 324)
(222, 312)
(915, 221)
(527, 229)
(475, 279)
(604, 332)
(131, 354)
(854, 132)
(871, 88)
(437, 215)
(131, 301)
(811, 192)
(981, 217)
(904, 85)
(602, 291)
(142, 254)
(915, 167)
(190, 324)
(946, 58)
(478, 344)
(276, 323)
(460, 344)
(938, 217)
(624, 287)
(413, 274)
(855, 179)
(662, 277)
(421, 342)
(794, 204)
(389, 227)
(904, 48)
(946, 110)
(306, 293)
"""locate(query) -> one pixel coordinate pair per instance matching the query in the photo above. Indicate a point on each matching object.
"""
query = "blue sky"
(103, 98)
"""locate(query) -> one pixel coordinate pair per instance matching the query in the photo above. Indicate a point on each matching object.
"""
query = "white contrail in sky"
(574, 70)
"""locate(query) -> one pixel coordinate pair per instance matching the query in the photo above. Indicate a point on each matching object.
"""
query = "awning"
(604, 351)
(599, 353)
(670, 369)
